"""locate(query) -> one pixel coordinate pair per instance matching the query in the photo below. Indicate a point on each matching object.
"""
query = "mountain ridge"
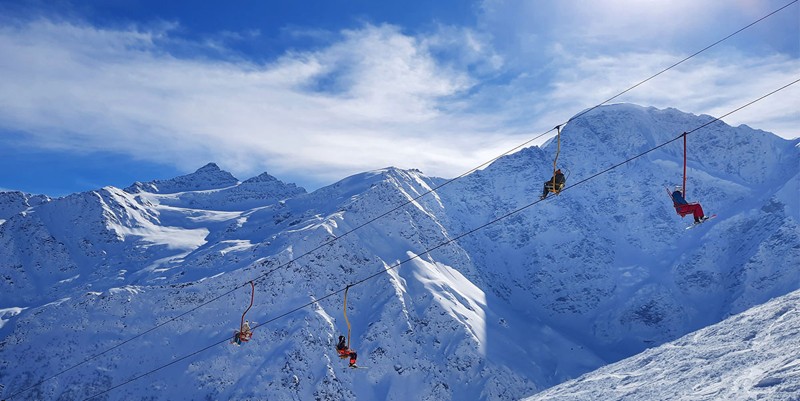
(207, 177)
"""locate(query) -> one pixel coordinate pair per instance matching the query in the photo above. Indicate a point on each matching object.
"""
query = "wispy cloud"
(370, 97)
(572, 55)
(712, 86)
(528, 29)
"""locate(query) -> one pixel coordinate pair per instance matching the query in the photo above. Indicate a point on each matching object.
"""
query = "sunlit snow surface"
(751, 356)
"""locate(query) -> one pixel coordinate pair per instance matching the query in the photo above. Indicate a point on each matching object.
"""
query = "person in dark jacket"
(345, 352)
(559, 179)
(683, 207)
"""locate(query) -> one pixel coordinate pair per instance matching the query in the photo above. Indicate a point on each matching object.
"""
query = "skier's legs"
(697, 211)
(694, 208)
(547, 186)
(683, 210)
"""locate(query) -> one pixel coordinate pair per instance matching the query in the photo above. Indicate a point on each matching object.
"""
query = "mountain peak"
(263, 177)
(13, 202)
(210, 167)
(207, 177)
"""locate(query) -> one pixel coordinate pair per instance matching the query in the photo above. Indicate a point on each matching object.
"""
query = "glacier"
(603, 272)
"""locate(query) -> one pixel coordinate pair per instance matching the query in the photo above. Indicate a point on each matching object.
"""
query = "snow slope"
(609, 259)
(587, 278)
(754, 355)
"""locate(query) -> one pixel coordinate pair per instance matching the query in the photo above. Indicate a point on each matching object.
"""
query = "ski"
(697, 224)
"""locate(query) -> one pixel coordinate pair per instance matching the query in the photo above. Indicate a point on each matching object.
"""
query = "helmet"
(341, 337)
(679, 188)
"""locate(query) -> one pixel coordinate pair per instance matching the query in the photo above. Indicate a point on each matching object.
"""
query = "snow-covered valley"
(603, 272)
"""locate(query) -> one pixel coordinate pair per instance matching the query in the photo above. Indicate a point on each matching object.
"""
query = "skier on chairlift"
(558, 179)
(683, 207)
(344, 351)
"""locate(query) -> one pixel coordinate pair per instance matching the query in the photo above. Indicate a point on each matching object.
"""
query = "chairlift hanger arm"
(345, 316)
(252, 296)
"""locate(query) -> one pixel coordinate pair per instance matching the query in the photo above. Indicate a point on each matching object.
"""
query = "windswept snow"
(456, 295)
(751, 356)
(170, 237)
(128, 289)
(7, 313)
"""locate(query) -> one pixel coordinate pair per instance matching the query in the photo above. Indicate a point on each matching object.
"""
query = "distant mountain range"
(600, 273)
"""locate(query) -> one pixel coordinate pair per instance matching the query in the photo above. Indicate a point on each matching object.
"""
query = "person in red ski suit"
(683, 207)
(345, 352)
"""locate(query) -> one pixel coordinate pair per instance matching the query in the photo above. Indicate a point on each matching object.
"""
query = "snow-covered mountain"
(754, 355)
(12, 203)
(597, 274)
(207, 177)
(210, 188)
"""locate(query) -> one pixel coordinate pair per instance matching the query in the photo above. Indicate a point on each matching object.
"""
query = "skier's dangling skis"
(701, 221)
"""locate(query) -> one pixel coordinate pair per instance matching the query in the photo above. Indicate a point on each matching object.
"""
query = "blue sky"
(111, 92)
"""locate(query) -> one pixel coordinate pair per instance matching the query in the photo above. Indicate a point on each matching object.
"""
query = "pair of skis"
(701, 221)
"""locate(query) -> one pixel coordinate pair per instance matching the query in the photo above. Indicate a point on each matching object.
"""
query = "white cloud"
(527, 30)
(373, 97)
(569, 55)
(712, 86)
